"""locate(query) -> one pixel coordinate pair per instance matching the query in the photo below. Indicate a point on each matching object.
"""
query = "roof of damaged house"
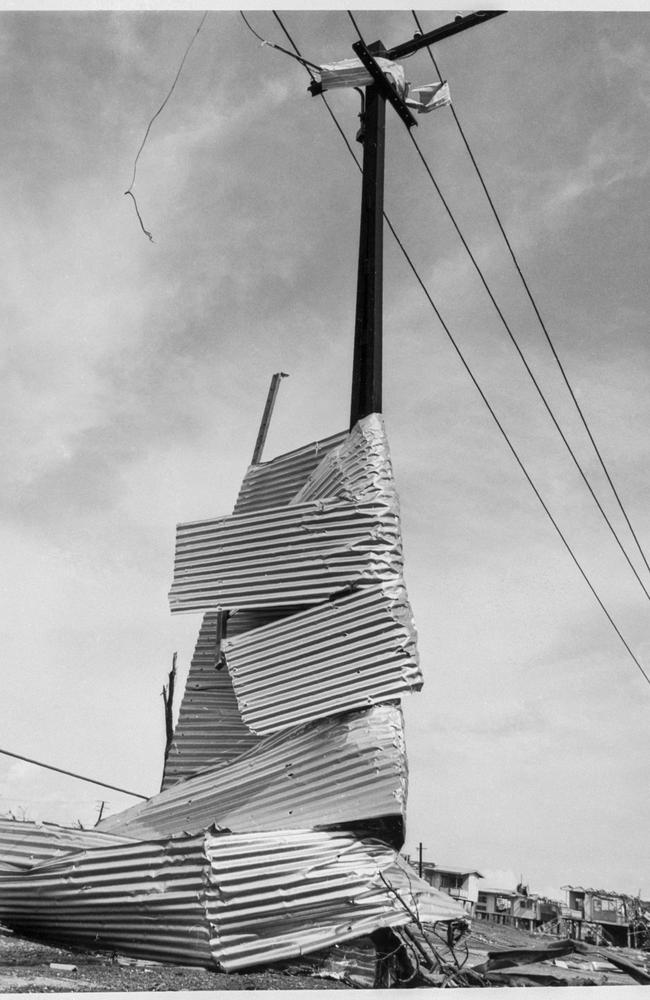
(450, 870)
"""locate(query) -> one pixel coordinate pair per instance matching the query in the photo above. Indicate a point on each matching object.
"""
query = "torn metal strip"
(338, 770)
(348, 653)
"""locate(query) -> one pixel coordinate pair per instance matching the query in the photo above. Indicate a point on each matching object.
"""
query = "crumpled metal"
(221, 901)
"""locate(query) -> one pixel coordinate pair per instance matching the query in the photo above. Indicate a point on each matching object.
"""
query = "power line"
(530, 372)
(72, 774)
(536, 310)
(491, 411)
(519, 351)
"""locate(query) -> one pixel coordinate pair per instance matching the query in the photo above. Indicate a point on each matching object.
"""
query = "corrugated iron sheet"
(353, 962)
(24, 843)
(283, 894)
(356, 651)
(143, 899)
(358, 468)
(229, 901)
(210, 730)
(274, 483)
(303, 553)
(309, 568)
(297, 555)
(338, 770)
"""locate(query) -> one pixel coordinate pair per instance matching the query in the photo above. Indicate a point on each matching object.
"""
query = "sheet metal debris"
(210, 730)
(303, 553)
(284, 793)
(274, 483)
(24, 843)
(350, 652)
(220, 900)
(338, 770)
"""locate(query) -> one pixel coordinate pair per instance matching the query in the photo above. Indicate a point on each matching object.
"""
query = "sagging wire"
(536, 309)
(487, 403)
(518, 349)
(529, 371)
(72, 774)
(129, 190)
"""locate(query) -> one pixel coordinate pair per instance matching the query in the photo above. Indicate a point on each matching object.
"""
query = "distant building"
(459, 883)
(520, 909)
(496, 905)
(597, 914)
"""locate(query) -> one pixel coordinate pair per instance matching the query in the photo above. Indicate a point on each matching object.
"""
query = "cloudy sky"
(134, 375)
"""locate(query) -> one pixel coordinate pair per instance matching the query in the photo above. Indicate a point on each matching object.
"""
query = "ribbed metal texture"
(230, 901)
(303, 553)
(288, 556)
(336, 770)
(141, 899)
(353, 962)
(24, 843)
(283, 894)
(210, 730)
(360, 467)
(274, 483)
(347, 653)
(316, 668)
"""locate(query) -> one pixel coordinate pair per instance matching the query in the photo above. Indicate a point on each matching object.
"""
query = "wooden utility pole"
(367, 363)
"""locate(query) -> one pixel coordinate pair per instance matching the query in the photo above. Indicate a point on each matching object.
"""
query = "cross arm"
(383, 85)
(430, 37)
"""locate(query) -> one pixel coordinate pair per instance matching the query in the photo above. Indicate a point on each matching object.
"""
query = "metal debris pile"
(277, 830)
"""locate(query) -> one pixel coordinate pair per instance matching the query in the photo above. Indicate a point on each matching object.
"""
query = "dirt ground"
(27, 967)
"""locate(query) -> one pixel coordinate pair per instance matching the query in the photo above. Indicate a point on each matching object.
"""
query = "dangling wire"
(303, 62)
(129, 191)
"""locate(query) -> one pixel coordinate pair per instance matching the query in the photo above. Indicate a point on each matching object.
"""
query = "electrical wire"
(529, 371)
(129, 190)
(272, 45)
(492, 413)
(536, 310)
(71, 774)
(519, 351)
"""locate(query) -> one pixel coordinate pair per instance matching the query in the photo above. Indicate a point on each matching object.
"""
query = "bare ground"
(26, 966)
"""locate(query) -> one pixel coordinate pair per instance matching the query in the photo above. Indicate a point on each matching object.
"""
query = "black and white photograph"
(324, 498)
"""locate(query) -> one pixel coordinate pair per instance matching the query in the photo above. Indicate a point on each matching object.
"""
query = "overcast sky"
(134, 376)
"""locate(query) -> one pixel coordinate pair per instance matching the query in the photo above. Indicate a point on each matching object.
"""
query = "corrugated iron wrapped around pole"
(285, 784)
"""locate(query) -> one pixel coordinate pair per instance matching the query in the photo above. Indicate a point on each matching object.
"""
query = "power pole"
(367, 363)
(420, 859)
